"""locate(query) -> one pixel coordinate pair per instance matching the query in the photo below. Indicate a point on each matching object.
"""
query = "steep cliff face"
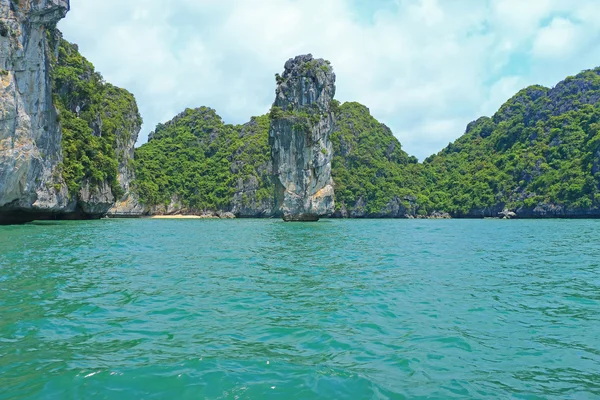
(66, 137)
(30, 135)
(100, 124)
(302, 121)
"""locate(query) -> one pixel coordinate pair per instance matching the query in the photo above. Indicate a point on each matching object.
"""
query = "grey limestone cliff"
(30, 135)
(302, 121)
(49, 125)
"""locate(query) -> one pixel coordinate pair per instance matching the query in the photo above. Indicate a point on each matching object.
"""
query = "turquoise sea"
(339, 309)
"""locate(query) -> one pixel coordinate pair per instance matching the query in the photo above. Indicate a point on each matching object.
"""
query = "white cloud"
(424, 67)
(518, 18)
(560, 39)
(433, 134)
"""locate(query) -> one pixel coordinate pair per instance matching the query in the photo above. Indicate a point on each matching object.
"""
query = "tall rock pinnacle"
(301, 124)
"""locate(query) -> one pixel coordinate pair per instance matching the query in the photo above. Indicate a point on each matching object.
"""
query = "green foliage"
(309, 66)
(335, 106)
(541, 147)
(315, 65)
(279, 79)
(199, 159)
(302, 119)
(369, 163)
(97, 120)
(276, 113)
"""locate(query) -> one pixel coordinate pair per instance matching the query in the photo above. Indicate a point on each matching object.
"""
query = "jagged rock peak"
(302, 120)
(304, 82)
(40, 11)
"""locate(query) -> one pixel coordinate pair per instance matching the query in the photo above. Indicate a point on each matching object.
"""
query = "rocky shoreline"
(583, 214)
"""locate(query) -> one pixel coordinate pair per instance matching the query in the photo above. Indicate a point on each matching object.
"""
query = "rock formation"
(30, 135)
(100, 125)
(302, 121)
(65, 152)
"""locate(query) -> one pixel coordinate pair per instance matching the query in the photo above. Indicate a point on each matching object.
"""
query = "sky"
(425, 68)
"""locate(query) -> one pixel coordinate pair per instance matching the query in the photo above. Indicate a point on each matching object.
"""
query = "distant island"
(67, 148)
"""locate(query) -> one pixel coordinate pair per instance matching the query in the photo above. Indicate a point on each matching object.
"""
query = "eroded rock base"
(23, 217)
(301, 218)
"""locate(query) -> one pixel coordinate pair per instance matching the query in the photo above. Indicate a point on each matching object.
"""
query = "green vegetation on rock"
(303, 119)
(204, 163)
(97, 119)
(198, 160)
(370, 169)
(539, 155)
(540, 150)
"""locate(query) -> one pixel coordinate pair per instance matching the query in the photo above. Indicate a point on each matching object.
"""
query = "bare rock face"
(129, 206)
(302, 121)
(30, 135)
